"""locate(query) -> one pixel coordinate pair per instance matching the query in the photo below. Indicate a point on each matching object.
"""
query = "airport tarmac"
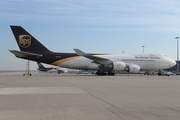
(45, 96)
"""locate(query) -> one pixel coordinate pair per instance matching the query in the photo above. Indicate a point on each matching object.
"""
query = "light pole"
(123, 52)
(143, 48)
(177, 53)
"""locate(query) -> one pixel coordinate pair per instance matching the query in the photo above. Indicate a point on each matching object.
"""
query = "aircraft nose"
(172, 63)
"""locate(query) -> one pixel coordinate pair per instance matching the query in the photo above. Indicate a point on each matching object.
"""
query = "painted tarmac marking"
(40, 90)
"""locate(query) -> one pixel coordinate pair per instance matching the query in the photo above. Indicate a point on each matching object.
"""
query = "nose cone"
(172, 63)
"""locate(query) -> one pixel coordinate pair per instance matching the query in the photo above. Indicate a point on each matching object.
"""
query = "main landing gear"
(160, 73)
(104, 73)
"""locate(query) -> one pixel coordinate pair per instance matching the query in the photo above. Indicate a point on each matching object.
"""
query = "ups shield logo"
(24, 41)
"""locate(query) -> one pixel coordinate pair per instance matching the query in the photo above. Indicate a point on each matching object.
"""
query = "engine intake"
(133, 68)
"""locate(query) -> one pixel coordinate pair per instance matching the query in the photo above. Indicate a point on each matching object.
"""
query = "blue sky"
(102, 26)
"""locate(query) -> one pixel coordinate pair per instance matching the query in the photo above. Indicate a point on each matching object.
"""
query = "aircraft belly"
(158, 65)
(76, 64)
(149, 66)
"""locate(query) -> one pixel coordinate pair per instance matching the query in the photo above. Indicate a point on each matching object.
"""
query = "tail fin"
(42, 68)
(26, 41)
(40, 65)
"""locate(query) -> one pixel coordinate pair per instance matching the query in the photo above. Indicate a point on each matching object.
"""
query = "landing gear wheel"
(100, 73)
(111, 73)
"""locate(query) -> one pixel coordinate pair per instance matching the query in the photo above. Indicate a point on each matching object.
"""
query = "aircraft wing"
(96, 59)
(22, 54)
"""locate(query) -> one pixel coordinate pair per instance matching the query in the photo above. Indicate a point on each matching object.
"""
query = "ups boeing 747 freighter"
(32, 49)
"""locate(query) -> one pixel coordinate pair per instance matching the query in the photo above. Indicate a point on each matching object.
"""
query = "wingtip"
(79, 52)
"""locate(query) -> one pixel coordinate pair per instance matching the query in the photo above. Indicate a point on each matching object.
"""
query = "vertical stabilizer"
(40, 65)
(42, 68)
(26, 41)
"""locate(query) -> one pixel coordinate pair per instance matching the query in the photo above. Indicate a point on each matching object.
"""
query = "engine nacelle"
(115, 66)
(118, 66)
(133, 68)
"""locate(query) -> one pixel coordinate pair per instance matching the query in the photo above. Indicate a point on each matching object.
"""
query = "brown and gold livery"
(32, 49)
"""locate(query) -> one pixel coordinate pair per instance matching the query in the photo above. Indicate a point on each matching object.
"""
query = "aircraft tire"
(99, 73)
(159, 74)
(111, 74)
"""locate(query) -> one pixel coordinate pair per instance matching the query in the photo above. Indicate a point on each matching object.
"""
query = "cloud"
(115, 14)
(94, 6)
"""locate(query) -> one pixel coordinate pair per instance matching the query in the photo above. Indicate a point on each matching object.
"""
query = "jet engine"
(133, 68)
(115, 66)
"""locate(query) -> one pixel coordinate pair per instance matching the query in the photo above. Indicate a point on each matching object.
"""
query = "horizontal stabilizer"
(22, 54)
